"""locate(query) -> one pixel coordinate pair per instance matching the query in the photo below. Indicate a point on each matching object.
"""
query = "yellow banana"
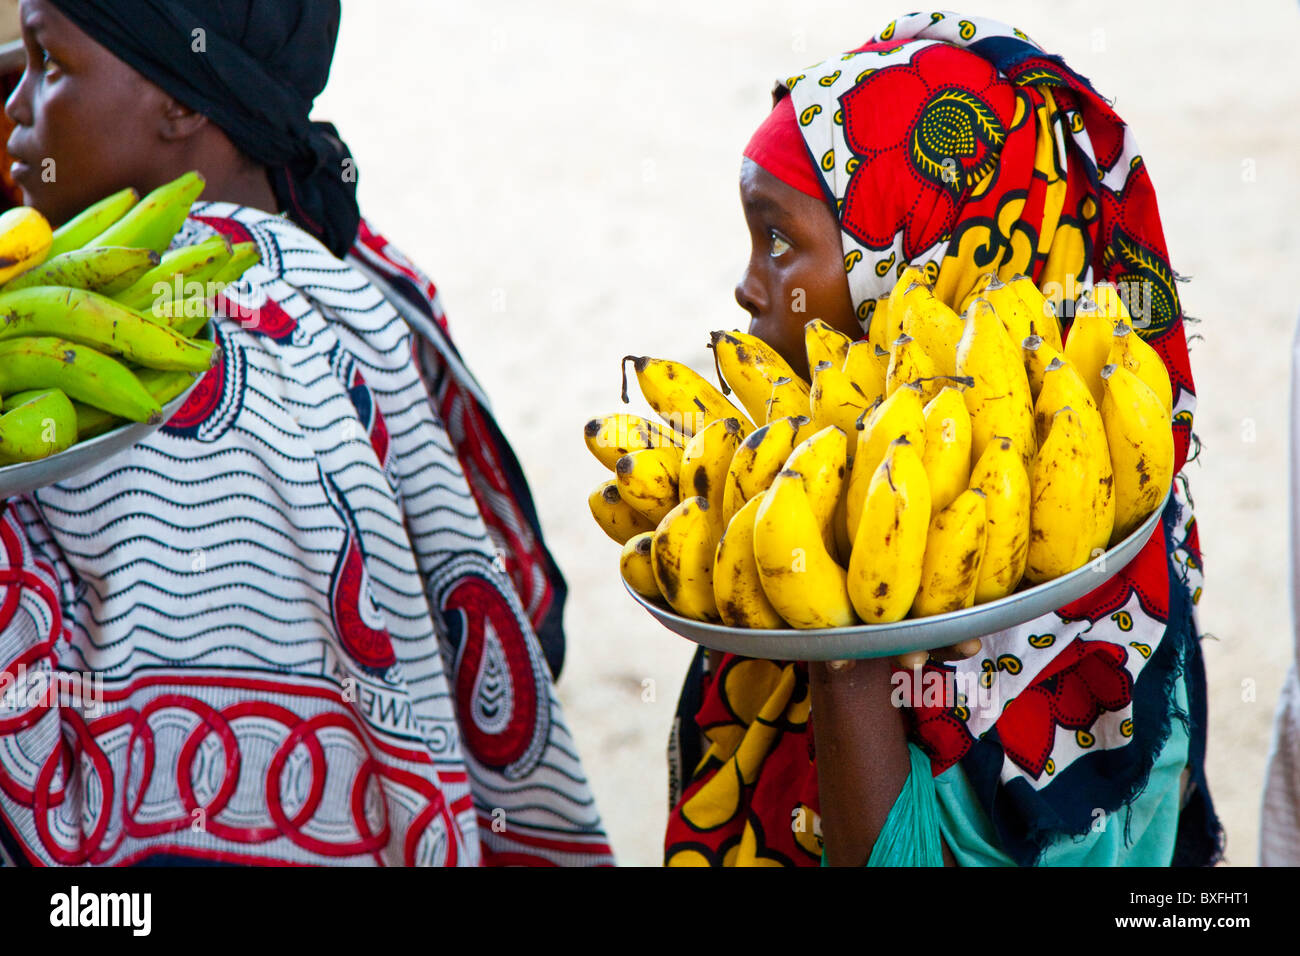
(1042, 316)
(25, 240)
(647, 480)
(750, 366)
(887, 321)
(1010, 308)
(837, 401)
(866, 370)
(901, 415)
(822, 461)
(610, 437)
(681, 557)
(737, 588)
(1141, 441)
(1062, 525)
(909, 362)
(1000, 474)
(635, 566)
(977, 290)
(790, 398)
(80, 372)
(1063, 388)
(800, 578)
(98, 270)
(1128, 349)
(758, 460)
(615, 516)
(889, 549)
(78, 231)
(824, 343)
(95, 320)
(936, 328)
(680, 395)
(705, 463)
(1089, 343)
(1038, 354)
(946, 455)
(1109, 303)
(180, 274)
(153, 222)
(840, 523)
(954, 552)
(998, 399)
(36, 427)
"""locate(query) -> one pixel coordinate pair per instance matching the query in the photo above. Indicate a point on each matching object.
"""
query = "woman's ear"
(179, 122)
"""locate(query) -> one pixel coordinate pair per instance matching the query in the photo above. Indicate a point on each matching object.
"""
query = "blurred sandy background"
(566, 170)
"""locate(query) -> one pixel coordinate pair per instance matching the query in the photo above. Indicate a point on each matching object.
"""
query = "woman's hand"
(914, 660)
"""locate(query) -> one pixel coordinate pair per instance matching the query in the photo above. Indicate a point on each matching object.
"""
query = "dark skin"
(860, 737)
(795, 261)
(94, 126)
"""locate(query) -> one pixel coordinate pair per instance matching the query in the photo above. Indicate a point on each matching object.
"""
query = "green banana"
(95, 320)
(100, 269)
(154, 221)
(82, 373)
(243, 256)
(38, 426)
(22, 398)
(193, 318)
(78, 231)
(162, 385)
(178, 270)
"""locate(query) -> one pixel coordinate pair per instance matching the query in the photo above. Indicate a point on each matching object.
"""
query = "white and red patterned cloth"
(316, 646)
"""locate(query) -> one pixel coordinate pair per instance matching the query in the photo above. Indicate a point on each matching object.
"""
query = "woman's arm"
(862, 756)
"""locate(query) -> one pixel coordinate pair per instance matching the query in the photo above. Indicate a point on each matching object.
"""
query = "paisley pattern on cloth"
(303, 641)
(956, 143)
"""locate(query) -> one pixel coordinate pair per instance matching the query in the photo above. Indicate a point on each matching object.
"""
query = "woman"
(324, 621)
(958, 145)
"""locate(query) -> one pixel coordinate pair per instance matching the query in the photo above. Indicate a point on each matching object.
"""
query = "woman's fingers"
(957, 652)
(913, 660)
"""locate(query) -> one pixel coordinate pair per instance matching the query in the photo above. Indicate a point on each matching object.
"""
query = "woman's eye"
(779, 246)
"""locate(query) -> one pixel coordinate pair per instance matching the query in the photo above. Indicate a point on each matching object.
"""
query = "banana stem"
(717, 366)
(623, 368)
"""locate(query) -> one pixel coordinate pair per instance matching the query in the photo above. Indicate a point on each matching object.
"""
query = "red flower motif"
(1085, 680)
(924, 134)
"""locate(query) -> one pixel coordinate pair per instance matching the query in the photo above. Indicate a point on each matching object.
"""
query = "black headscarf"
(253, 67)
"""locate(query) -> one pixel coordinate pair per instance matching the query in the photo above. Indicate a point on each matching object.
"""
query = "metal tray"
(912, 634)
(29, 475)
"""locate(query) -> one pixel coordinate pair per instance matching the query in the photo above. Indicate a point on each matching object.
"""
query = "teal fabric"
(928, 806)
(911, 833)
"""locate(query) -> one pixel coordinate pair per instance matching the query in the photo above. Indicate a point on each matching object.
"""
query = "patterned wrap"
(958, 144)
(313, 644)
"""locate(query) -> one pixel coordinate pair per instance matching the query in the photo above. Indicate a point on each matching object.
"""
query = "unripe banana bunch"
(97, 324)
(942, 461)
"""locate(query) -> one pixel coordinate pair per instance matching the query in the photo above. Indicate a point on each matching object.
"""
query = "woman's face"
(796, 266)
(86, 123)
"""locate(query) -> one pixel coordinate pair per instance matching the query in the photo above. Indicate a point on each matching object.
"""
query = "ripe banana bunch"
(87, 315)
(942, 461)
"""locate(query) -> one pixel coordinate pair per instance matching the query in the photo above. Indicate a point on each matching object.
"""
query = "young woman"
(316, 603)
(959, 145)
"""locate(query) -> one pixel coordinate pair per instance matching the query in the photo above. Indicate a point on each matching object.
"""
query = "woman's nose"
(18, 106)
(749, 295)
